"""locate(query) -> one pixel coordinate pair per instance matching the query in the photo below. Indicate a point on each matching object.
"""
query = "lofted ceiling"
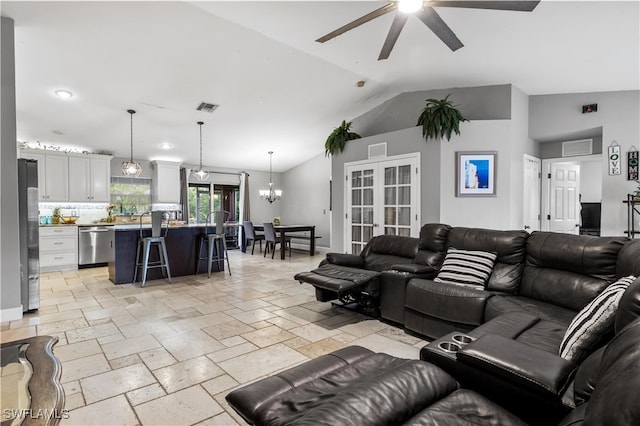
(277, 88)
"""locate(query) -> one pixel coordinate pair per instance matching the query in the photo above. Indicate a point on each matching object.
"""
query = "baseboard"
(11, 314)
(305, 247)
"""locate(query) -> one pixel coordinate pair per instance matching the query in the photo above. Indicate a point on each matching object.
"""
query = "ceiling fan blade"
(432, 20)
(518, 6)
(362, 20)
(392, 36)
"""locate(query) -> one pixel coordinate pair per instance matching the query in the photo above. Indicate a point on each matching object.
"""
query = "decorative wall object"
(476, 174)
(614, 159)
(632, 164)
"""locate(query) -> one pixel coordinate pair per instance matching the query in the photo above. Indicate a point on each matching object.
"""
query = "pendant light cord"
(200, 123)
(131, 112)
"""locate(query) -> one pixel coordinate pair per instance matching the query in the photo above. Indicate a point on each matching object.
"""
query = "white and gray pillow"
(593, 321)
(469, 268)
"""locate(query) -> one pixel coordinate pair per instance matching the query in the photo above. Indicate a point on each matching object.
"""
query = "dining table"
(282, 231)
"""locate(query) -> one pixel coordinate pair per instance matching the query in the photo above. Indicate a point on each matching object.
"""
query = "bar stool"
(159, 229)
(216, 242)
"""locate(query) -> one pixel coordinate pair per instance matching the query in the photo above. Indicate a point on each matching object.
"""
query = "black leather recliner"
(356, 386)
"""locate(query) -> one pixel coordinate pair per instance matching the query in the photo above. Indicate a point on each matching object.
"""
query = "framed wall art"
(476, 173)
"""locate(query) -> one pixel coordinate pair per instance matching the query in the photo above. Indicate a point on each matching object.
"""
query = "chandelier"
(270, 194)
(201, 174)
(131, 168)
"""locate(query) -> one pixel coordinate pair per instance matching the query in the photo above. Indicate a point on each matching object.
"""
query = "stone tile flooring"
(169, 353)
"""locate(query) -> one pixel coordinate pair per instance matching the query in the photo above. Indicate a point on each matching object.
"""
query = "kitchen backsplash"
(89, 213)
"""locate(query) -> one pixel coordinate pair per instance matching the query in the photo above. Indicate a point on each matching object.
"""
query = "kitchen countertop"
(126, 227)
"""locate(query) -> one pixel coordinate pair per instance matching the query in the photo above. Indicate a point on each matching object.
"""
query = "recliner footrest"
(339, 279)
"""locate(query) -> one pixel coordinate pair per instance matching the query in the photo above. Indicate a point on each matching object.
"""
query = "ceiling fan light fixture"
(131, 168)
(409, 6)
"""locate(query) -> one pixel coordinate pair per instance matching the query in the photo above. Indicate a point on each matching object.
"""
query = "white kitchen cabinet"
(53, 176)
(58, 248)
(166, 182)
(89, 178)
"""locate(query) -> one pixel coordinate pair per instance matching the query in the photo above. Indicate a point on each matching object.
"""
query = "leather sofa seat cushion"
(446, 301)
(464, 407)
(498, 305)
(379, 389)
(526, 328)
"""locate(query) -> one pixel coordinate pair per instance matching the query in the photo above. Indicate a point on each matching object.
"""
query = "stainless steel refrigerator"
(29, 223)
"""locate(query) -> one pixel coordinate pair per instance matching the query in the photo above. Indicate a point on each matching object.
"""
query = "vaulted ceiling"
(277, 88)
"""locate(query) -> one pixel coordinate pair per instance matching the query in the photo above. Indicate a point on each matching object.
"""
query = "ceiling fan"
(424, 10)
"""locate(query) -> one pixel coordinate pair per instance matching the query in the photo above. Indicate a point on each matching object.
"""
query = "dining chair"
(251, 236)
(271, 240)
(216, 242)
(159, 230)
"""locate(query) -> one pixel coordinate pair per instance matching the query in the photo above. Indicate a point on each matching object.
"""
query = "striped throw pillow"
(469, 268)
(593, 321)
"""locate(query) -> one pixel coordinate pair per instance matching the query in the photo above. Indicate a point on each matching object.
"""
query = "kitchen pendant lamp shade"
(131, 168)
(201, 173)
(270, 194)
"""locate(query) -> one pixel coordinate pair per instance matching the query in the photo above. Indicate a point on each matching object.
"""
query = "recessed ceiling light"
(64, 94)
(166, 145)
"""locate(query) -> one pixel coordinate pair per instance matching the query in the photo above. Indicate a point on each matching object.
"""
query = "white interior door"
(564, 201)
(382, 197)
(531, 193)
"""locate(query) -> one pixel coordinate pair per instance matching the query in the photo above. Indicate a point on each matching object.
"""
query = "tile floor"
(169, 353)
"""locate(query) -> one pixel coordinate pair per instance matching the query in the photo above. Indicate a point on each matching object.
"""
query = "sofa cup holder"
(450, 347)
(462, 339)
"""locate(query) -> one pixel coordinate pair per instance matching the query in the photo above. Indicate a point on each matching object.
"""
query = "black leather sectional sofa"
(495, 358)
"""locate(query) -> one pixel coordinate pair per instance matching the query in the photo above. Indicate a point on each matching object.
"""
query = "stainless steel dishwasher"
(95, 245)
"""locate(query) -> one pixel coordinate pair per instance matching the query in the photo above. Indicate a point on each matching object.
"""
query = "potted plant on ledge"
(339, 137)
(440, 118)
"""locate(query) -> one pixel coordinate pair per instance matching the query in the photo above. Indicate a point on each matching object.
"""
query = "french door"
(382, 197)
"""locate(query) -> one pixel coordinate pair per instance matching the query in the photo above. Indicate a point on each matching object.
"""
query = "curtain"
(184, 193)
(245, 208)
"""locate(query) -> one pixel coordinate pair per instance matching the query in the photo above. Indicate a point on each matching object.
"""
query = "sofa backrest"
(508, 245)
(433, 245)
(383, 251)
(569, 270)
(616, 388)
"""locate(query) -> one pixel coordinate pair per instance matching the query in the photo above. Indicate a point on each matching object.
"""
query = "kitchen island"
(182, 246)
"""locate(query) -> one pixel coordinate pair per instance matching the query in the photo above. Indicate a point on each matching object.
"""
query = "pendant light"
(131, 168)
(270, 194)
(201, 174)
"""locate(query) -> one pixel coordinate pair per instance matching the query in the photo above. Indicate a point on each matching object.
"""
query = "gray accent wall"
(554, 116)
(10, 305)
(402, 111)
(305, 198)
(553, 149)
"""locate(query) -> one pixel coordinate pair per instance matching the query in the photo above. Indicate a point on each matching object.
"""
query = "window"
(199, 202)
(130, 195)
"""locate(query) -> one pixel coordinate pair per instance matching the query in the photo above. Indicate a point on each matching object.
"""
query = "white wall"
(591, 181)
(305, 198)
(10, 304)
(618, 112)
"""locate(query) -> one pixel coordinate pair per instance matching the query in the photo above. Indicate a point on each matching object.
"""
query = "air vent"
(575, 148)
(378, 150)
(207, 107)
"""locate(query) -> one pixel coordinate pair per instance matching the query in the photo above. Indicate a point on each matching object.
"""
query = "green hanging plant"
(440, 118)
(339, 137)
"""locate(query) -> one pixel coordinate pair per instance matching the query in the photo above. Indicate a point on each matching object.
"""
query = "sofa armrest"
(518, 364)
(393, 286)
(344, 259)
(415, 268)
